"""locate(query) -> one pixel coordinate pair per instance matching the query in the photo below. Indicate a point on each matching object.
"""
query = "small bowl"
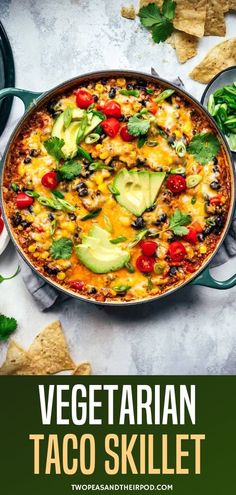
(224, 78)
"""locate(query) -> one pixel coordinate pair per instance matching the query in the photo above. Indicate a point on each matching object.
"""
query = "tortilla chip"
(232, 4)
(49, 352)
(16, 359)
(128, 12)
(171, 40)
(220, 57)
(190, 16)
(143, 3)
(186, 46)
(83, 369)
(215, 19)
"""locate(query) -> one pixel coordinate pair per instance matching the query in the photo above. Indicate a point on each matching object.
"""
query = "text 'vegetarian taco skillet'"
(117, 187)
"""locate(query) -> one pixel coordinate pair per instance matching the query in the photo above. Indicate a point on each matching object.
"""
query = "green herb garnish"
(58, 194)
(7, 326)
(222, 106)
(149, 284)
(82, 128)
(178, 221)
(141, 141)
(119, 239)
(56, 203)
(69, 170)
(113, 190)
(138, 238)
(129, 267)
(159, 21)
(82, 152)
(54, 147)
(121, 288)
(149, 91)
(15, 187)
(98, 166)
(164, 95)
(32, 194)
(204, 147)
(138, 126)
(193, 200)
(93, 214)
(61, 249)
(2, 278)
(130, 92)
(67, 117)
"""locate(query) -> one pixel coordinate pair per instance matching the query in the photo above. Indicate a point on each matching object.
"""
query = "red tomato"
(1, 225)
(153, 108)
(0, 211)
(177, 251)
(83, 98)
(191, 236)
(23, 201)
(111, 127)
(216, 200)
(148, 247)
(176, 184)
(189, 267)
(145, 264)
(77, 284)
(49, 180)
(112, 109)
(126, 136)
(197, 226)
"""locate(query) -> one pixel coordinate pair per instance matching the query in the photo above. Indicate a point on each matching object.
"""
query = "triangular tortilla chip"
(49, 352)
(215, 19)
(190, 16)
(16, 359)
(185, 45)
(220, 57)
(83, 369)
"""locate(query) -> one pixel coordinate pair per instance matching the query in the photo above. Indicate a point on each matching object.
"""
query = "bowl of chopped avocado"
(219, 98)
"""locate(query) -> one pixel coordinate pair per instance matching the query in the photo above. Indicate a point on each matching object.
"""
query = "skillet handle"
(207, 280)
(28, 97)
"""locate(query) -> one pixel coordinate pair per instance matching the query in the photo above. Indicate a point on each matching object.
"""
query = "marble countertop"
(191, 332)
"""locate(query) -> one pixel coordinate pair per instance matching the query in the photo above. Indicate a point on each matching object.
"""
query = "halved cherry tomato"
(153, 108)
(189, 267)
(112, 109)
(148, 247)
(49, 180)
(23, 201)
(76, 284)
(1, 225)
(145, 264)
(216, 200)
(177, 251)
(176, 184)
(111, 127)
(126, 136)
(191, 236)
(83, 98)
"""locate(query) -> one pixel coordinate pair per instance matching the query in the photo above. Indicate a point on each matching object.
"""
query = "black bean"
(144, 103)
(151, 208)
(215, 185)
(208, 230)
(163, 217)
(173, 238)
(27, 159)
(129, 86)
(123, 118)
(112, 93)
(51, 217)
(200, 237)
(34, 153)
(16, 219)
(171, 139)
(51, 270)
(31, 209)
(140, 162)
(138, 223)
(93, 290)
(21, 153)
(25, 224)
(215, 160)
(103, 80)
(72, 216)
(95, 98)
(173, 271)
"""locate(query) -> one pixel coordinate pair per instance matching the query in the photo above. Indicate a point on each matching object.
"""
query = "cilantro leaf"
(54, 147)
(178, 221)
(204, 147)
(162, 31)
(137, 126)
(149, 15)
(7, 326)
(61, 249)
(168, 9)
(69, 170)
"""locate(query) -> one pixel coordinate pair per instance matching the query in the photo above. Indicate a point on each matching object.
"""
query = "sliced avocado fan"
(98, 254)
(70, 133)
(137, 190)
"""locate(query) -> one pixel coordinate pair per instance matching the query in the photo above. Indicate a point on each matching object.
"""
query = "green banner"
(65, 435)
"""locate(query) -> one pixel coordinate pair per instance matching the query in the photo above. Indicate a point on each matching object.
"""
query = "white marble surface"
(192, 332)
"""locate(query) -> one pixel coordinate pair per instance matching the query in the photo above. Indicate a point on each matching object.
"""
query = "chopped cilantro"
(178, 221)
(159, 21)
(7, 326)
(61, 249)
(54, 147)
(137, 126)
(69, 170)
(204, 147)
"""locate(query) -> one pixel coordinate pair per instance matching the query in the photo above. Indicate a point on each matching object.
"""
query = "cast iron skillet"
(34, 101)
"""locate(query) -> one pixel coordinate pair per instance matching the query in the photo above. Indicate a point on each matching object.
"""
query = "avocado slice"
(70, 134)
(137, 190)
(98, 254)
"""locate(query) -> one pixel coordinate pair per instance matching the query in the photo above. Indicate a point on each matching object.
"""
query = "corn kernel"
(202, 249)
(121, 82)
(125, 221)
(99, 88)
(136, 106)
(37, 208)
(98, 147)
(104, 155)
(71, 227)
(44, 255)
(132, 155)
(90, 184)
(36, 255)
(30, 218)
(21, 169)
(32, 248)
(61, 276)
(103, 188)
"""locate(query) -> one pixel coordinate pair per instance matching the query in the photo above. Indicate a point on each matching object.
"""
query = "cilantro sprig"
(138, 126)
(69, 170)
(7, 326)
(204, 147)
(61, 249)
(178, 222)
(159, 21)
(54, 147)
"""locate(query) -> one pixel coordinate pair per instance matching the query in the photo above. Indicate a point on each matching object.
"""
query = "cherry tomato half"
(1, 225)
(76, 284)
(153, 108)
(126, 136)
(189, 267)
(148, 247)
(177, 251)
(83, 98)
(23, 201)
(49, 180)
(111, 127)
(176, 184)
(145, 264)
(112, 109)
(191, 236)
(216, 200)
